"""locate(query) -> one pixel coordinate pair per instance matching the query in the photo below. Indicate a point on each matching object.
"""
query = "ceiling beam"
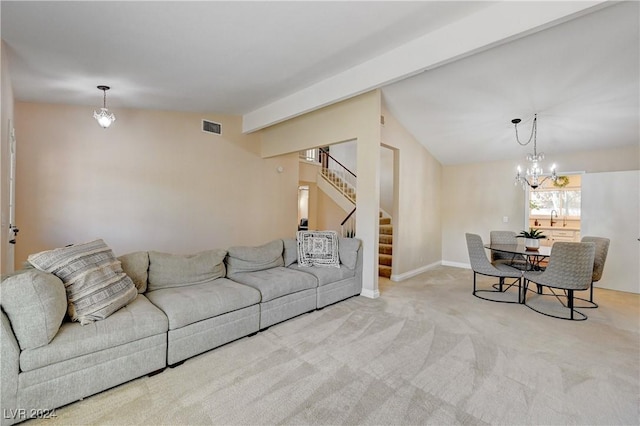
(496, 24)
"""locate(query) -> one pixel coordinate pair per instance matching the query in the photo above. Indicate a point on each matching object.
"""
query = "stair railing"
(348, 225)
(343, 179)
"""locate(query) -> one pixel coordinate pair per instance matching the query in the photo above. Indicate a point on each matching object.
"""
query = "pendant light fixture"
(533, 176)
(104, 117)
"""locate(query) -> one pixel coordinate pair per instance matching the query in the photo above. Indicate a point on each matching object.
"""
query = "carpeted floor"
(425, 352)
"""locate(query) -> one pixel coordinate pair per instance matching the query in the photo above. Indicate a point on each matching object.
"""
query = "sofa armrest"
(9, 369)
(359, 265)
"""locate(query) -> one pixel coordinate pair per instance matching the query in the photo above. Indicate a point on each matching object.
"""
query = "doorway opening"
(555, 208)
(303, 207)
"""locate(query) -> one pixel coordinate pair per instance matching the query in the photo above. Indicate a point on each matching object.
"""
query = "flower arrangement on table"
(532, 238)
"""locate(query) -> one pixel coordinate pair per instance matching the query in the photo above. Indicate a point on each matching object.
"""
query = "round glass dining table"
(534, 257)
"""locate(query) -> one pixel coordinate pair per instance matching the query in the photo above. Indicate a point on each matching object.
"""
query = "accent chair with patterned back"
(602, 249)
(480, 264)
(511, 259)
(570, 268)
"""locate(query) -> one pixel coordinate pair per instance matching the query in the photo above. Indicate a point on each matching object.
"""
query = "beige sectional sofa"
(186, 305)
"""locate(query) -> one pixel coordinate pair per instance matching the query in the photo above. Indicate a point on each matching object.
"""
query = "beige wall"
(6, 114)
(329, 215)
(152, 181)
(357, 119)
(386, 178)
(417, 218)
(476, 197)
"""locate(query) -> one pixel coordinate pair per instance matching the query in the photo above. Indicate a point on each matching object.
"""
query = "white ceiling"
(581, 77)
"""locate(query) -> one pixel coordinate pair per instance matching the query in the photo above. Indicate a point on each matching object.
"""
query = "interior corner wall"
(152, 181)
(329, 214)
(417, 233)
(6, 114)
(357, 119)
(476, 197)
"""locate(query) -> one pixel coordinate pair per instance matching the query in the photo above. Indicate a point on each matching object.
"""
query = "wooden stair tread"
(386, 229)
(385, 248)
(385, 239)
(384, 271)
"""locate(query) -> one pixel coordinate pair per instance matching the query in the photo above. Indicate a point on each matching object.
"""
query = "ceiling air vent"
(211, 127)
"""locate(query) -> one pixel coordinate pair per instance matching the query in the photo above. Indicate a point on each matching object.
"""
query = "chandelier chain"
(532, 136)
(533, 177)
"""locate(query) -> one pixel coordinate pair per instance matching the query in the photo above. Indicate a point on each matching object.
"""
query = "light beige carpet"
(425, 352)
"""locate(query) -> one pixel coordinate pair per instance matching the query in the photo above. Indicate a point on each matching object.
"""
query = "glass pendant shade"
(104, 117)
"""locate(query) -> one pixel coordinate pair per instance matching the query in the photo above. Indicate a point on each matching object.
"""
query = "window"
(563, 196)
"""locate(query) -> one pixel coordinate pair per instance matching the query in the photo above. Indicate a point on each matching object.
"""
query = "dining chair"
(480, 264)
(602, 249)
(570, 269)
(511, 259)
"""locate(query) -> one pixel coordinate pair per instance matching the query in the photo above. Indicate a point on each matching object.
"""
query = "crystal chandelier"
(533, 176)
(104, 117)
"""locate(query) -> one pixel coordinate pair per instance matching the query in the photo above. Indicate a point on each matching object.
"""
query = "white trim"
(456, 264)
(371, 294)
(413, 273)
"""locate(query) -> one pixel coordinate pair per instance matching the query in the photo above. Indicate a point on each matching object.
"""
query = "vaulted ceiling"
(580, 74)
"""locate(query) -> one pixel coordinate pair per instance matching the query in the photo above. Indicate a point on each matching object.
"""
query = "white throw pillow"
(318, 248)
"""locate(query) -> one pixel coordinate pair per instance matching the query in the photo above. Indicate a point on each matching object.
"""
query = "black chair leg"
(501, 284)
(520, 286)
(570, 302)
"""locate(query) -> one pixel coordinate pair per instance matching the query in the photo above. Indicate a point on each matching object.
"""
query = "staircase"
(345, 182)
(340, 183)
(385, 247)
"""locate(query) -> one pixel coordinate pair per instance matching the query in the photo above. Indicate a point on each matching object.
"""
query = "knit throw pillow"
(95, 283)
(318, 248)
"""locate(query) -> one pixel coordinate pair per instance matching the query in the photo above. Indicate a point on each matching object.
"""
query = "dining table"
(534, 257)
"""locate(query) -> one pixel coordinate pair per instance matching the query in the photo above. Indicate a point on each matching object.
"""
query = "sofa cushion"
(276, 282)
(318, 248)
(248, 259)
(290, 252)
(95, 283)
(187, 305)
(36, 303)
(177, 270)
(326, 275)
(138, 320)
(348, 251)
(136, 266)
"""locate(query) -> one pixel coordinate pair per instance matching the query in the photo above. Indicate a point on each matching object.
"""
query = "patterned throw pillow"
(318, 248)
(94, 280)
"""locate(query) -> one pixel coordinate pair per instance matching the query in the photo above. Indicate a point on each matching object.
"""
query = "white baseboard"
(456, 264)
(413, 273)
(371, 294)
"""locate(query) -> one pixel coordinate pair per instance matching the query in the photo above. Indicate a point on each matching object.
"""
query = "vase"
(532, 243)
